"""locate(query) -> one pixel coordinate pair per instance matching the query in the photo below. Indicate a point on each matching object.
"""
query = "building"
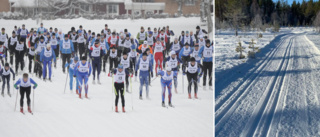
(4, 6)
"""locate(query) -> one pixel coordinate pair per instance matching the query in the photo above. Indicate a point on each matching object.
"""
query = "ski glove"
(35, 86)
(15, 86)
(74, 75)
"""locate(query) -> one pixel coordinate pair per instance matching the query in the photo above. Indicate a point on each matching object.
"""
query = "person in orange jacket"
(142, 48)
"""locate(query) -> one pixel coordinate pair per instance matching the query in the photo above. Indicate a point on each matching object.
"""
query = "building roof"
(145, 6)
(27, 3)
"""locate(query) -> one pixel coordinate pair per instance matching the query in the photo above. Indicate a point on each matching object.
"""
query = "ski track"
(278, 97)
(64, 115)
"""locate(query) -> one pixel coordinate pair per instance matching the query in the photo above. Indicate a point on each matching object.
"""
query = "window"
(113, 9)
(190, 2)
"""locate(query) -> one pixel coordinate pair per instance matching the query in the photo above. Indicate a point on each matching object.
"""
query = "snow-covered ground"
(64, 115)
(276, 94)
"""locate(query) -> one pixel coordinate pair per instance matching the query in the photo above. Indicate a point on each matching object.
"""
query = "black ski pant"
(133, 64)
(207, 68)
(82, 49)
(119, 91)
(75, 46)
(192, 78)
(11, 51)
(113, 63)
(65, 58)
(4, 82)
(19, 60)
(38, 66)
(185, 59)
(105, 60)
(25, 90)
(30, 62)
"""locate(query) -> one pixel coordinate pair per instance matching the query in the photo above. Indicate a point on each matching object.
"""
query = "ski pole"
(15, 106)
(112, 93)
(33, 101)
(65, 85)
(131, 92)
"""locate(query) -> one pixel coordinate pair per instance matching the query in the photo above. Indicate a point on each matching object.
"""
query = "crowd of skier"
(150, 54)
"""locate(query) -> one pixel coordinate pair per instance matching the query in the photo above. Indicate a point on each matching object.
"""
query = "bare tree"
(256, 23)
(316, 22)
(70, 6)
(234, 13)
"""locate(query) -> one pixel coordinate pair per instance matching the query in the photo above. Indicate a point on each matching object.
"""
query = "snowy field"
(277, 93)
(64, 115)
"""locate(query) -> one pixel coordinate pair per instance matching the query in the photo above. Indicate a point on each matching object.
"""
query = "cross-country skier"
(20, 51)
(4, 37)
(150, 39)
(5, 74)
(187, 39)
(25, 88)
(144, 65)
(83, 70)
(206, 52)
(119, 76)
(11, 45)
(125, 62)
(127, 43)
(81, 42)
(66, 49)
(133, 58)
(31, 54)
(73, 37)
(142, 48)
(23, 32)
(141, 36)
(41, 29)
(200, 32)
(193, 71)
(158, 54)
(112, 41)
(3, 53)
(114, 57)
(55, 47)
(72, 74)
(174, 62)
(184, 53)
(166, 82)
(46, 57)
(105, 46)
(176, 46)
(96, 54)
(39, 46)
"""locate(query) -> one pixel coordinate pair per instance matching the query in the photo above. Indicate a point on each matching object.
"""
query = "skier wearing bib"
(23, 32)
(174, 62)
(158, 49)
(119, 76)
(4, 37)
(141, 36)
(5, 74)
(113, 39)
(125, 62)
(42, 29)
(20, 50)
(105, 46)
(12, 42)
(25, 88)
(39, 46)
(3, 53)
(144, 65)
(166, 82)
(185, 52)
(193, 71)
(66, 49)
(46, 57)
(206, 52)
(72, 74)
(114, 57)
(176, 46)
(96, 54)
(81, 42)
(83, 70)
(31, 54)
(55, 46)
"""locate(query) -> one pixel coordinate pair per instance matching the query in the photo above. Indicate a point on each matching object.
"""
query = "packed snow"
(275, 94)
(59, 114)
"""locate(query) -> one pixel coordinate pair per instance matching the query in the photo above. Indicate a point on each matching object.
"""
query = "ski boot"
(86, 95)
(195, 96)
(189, 95)
(29, 110)
(44, 79)
(124, 111)
(21, 110)
(175, 89)
(93, 82)
(140, 97)
(99, 82)
(109, 74)
(9, 94)
(210, 87)
(170, 105)
(50, 79)
(2, 94)
(163, 105)
(204, 87)
(116, 109)
(80, 96)
(77, 92)
(135, 79)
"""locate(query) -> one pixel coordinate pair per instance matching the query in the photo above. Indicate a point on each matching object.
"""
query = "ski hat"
(23, 39)
(145, 42)
(144, 54)
(128, 35)
(13, 32)
(187, 32)
(53, 34)
(113, 33)
(3, 29)
(48, 45)
(192, 59)
(41, 23)
(84, 58)
(124, 53)
(25, 75)
(150, 32)
(196, 45)
(207, 41)
(66, 35)
(187, 44)
(120, 66)
(125, 30)
(198, 27)
(168, 68)
(55, 29)
(80, 26)
(106, 25)
(98, 35)
(93, 33)
(172, 53)
(23, 25)
(76, 58)
(158, 39)
(205, 37)
(147, 49)
(200, 37)
(49, 28)
(96, 41)
(182, 31)
(41, 37)
(6, 65)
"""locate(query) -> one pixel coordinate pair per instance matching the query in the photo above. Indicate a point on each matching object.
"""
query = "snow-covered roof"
(145, 6)
(27, 3)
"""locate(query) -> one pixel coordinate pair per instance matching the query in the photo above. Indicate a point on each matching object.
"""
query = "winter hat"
(98, 35)
(80, 26)
(127, 35)
(125, 30)
(25, 75)
(13, 32)
(168, 68)
(192, 59)
(144, 54)
(23, 39)
(198, 27)
(158, 39)
(196, 45)
(145, 42)
(147, 49)
(120, 66)
(48, 45)
(200, 36)
(23, 25)
(83, 58)
(106, 25)
(53, 34)
(96, 41)
(76, 58)
(113, 33)
(187, 44)
(3, 29)
(207, 41)
(187, 32)
(172, 53)
(6, 65)
(124, 53)
(150, 32)
(40, 37)
(66, 35)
